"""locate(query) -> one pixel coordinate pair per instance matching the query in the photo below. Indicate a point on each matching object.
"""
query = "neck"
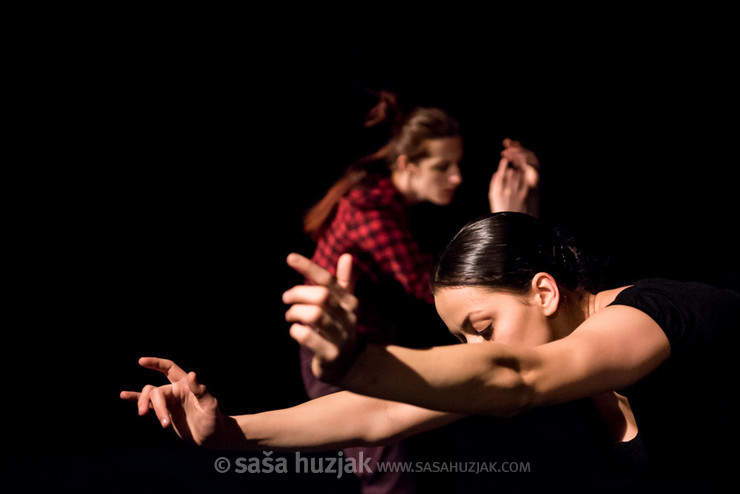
(586, 306)
(572, 312)
(400, 181)
(591, 303)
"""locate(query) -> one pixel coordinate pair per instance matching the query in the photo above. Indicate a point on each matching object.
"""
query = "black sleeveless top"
(686, 409)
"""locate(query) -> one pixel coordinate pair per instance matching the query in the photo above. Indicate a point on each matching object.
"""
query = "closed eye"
(441, 166)
(487, 333)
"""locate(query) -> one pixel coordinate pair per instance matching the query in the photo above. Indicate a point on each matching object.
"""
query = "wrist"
(227, 434)
(334, 372)
(355, 373)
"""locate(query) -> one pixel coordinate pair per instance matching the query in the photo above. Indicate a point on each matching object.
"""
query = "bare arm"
(480, 378)
(613, 348)
(338, 420)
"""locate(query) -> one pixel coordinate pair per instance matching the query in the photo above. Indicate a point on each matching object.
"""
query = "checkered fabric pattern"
(371, 223)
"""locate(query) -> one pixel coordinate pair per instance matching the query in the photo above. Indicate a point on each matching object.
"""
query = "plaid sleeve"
(384, 235)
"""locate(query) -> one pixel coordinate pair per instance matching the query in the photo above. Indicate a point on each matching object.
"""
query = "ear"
(546, 293)
(403, 164)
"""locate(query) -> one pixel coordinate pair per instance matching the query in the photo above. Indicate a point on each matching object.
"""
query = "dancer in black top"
(655, 357)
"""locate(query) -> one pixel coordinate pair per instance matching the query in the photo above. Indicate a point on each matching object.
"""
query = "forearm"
(480, 378)
(334, 421)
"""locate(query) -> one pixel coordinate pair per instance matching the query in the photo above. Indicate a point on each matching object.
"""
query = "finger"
(130, 395)
(335, 303)
(329, 320)
(508, 174)
(305, 314)
(519, 177)
(344, 271)
(144, 399)
(511, 143)
(514, 155)
(198, 389)
(517, 156)
(159, 403)
(309, 269)
(532, 176)
(498, 176)
(312, 340)
(303, 294)
(166, 367)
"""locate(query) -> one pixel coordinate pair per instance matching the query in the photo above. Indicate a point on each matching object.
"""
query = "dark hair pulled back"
(503, 251)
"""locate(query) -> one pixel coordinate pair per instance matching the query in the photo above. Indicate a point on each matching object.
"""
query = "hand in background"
(324, 316)
(515, 179)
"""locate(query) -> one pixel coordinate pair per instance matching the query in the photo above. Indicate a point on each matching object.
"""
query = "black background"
(174, 172)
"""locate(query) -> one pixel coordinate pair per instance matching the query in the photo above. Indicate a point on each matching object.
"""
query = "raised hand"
(508, 189)
(184, 403)
(524, 159)
(324, 316)
(512, 183)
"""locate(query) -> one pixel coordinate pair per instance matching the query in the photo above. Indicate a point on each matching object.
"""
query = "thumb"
(511, 143)
(198, 389)
(344, 271)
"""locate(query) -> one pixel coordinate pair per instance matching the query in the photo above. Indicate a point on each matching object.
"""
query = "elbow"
(381, 426)
(515, 396)
(372, 439)
(377, 435)
(524, 395)
(509, 388)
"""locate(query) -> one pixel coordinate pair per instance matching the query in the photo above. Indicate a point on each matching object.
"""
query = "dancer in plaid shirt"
(366, 214)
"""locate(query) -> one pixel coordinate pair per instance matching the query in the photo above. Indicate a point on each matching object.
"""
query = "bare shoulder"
(606, 297)
(614, 348)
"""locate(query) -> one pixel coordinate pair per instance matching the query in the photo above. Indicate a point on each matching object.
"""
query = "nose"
(455, 176)
(474, 338)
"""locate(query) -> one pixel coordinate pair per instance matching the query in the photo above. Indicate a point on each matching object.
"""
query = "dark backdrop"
(187, 169)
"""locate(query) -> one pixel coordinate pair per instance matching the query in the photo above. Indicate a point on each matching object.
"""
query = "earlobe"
(548, 294)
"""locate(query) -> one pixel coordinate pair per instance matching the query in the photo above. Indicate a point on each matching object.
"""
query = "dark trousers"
(373, 482)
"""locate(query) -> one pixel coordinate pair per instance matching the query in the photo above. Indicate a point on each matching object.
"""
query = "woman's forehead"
(445, 146)
(466, 299)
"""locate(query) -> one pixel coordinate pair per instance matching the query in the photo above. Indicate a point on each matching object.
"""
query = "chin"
(444, 200)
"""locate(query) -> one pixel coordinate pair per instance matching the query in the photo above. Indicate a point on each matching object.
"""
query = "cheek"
(430, 187)
(524, 329)
(438, 183)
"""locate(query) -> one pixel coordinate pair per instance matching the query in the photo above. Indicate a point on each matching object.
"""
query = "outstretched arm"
(341, 419)
(612, 349)
(448, 378)
(337, 420)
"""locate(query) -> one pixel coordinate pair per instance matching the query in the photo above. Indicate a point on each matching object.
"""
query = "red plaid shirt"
(371, 223)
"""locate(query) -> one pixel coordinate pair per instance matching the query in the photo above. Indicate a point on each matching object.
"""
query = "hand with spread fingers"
(324, 316)
(184, 403)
